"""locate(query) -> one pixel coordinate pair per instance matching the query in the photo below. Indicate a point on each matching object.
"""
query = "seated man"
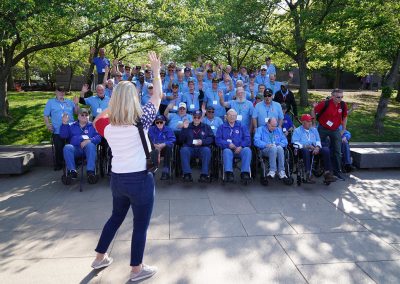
(271, 141)
(196, 138)
(307, 138)
(163, 138)
(234, 139)
(98, 102)
(83, 139)
(176, 120)
(213, 121)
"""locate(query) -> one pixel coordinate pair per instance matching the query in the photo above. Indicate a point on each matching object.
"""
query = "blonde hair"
(124, 107)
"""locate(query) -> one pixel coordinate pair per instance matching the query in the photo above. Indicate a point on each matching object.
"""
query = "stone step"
(375, 144)
(42, 152)
(367, 158)
(16, 162)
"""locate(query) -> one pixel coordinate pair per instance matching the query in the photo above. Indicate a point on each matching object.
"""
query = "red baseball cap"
(306, 117)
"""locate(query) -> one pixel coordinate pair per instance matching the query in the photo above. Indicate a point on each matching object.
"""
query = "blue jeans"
(346, 157)
(326, 157)
(273, 152)
(71, 152)
(134, 190)
(245, 156)
(203, 152)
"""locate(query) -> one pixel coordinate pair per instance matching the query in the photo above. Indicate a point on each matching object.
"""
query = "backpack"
(318, 115)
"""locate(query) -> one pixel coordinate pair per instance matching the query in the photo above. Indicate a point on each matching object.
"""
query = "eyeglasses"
(119, 76)
(162, 74)
(182, 108)
(210, 111)
(159, 122)
(84, 114)
(196, 117)
(339, 97)
(263, 69)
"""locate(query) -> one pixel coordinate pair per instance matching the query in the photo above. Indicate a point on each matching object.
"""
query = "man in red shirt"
(331, 114)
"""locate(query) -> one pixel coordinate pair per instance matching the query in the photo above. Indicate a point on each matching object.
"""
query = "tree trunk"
(387, 87)
(338, 73)
(71, 75)
(3, 93)
(303, 80)
(27, 71)
(398, 90)
(10, 82)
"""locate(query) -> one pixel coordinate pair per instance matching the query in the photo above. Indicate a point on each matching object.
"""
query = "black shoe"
(58, 168)
(187, 178)
(229, 177)
(204, 178)
(339, 176)
(349, 168)
(165, 176)
(91, 177)
(73, 174)
(245, 176)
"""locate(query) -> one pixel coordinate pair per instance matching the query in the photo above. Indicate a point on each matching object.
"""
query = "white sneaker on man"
(282, 175)
(271, 174)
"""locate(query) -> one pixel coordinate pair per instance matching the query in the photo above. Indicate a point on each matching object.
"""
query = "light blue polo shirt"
(96, 104)
(245, 109)
(211, 98)
(262, 79)
(175, 118)
(175, 102)
(213, 123)
(192, 101)
(255, 90)
(262, 111)
(55, 110)
(276, 86)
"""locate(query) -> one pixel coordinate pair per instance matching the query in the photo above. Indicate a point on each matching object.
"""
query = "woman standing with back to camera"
(131, 184)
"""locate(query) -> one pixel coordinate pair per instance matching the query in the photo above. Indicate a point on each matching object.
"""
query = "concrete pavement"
(348, 232)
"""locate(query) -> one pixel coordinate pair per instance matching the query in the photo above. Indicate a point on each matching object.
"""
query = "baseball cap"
(252, 75)
(83, 110)
(268, 92)
(160, 117)
(197, 113)
(210, 108)
(306, 117)
(182, 104)
(187, 69)
(175, 84)
(209, 71)
(264, 67)
(260, 96)
(61, 88)
(215, 80)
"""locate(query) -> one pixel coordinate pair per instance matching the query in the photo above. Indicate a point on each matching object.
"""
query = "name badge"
(266, 119)
(196, 141)
(329, 123)
(85, 137)
(215, 102)
(99, 110)
(212, 127)
(192, 106)
(239, 117)
(180, 122)
(284, 129)
(103, 70)
(175, 108)
(229, 140)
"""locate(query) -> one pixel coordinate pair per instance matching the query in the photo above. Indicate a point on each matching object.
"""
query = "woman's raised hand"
(155, 63)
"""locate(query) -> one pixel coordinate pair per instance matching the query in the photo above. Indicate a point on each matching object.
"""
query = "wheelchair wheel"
(66, 180)
(298, 180)
(288, 181)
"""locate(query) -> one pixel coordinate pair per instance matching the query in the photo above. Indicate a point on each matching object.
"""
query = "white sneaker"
(146, 272)
(106, 261)
(271, 174)
(282, 175)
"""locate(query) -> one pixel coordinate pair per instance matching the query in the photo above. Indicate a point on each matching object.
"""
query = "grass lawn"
(26, 124)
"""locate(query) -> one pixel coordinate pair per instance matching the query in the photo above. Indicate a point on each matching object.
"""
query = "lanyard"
(271, 136)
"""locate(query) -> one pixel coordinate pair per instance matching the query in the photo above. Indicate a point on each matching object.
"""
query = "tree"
(28, 27)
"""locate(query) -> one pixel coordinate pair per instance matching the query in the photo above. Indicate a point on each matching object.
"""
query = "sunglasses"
(196, 117)
(84, 114)
(181, 108)
(210, 111)
(263, 69)
(267, 95)
(159, 122)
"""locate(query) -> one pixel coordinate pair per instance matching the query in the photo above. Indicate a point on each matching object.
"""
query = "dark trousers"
(135, 190)
(100, 78)
(59, 144)
(336, 145)
(324, 152)
(167, 157)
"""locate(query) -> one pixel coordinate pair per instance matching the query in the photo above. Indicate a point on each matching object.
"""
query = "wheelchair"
(104, 155)
(172, 164)
(80, 163)
(220, 169)
(317, 167)
(196, 162)
(263, 163)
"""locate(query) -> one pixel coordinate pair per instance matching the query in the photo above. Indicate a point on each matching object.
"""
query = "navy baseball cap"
(160, 117)
(187, 69)
(197, 113)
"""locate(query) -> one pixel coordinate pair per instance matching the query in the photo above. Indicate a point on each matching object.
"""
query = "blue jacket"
(202, 131)
(238, 135)
(74, 133)
(165, 135)
(263, 137)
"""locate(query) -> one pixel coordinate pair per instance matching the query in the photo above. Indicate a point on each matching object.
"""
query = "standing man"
(55, 109)
(331, 114)
(274, 85)
(284, 95)
(270, 67)
(263, 78)
(211, 99)
(101, 62)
